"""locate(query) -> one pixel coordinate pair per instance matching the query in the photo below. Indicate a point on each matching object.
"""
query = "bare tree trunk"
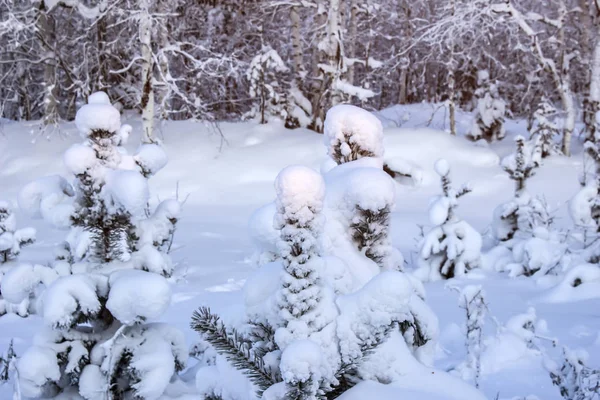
(147, 98)
(353, 32)
(163, 63)
(45, 26)
(318, 78)
(594, 90)
(335, 50)
(403, 93)
(296, 45)
(452, 83)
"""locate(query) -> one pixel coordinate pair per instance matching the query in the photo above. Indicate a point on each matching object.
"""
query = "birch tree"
(558, 68)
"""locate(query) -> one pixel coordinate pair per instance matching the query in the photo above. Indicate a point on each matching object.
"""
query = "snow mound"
(97, 117)
(370, 189)
(79, 158)
(41, 196)
(137, 296)
(301, 361)
(579, 283)
(37, 366)
(127, 189)
(261, 229)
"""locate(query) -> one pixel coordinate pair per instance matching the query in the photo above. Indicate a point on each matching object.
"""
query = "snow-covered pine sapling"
(306, 305)
(11, 242)
(575, 380)
(265, 87)
(109, 279)
(521, 215)
(352, 134)
(11, 238)
(490, 111)
(546, 129)
(452, 247)
(472, 300)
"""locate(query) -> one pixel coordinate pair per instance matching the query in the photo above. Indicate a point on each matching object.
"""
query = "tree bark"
(45, 25)
(147, 98)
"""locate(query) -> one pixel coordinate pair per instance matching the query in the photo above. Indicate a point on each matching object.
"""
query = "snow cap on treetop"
(98, 115)
(349, 124)
(298, 186)
(98, 98)
(442, 167)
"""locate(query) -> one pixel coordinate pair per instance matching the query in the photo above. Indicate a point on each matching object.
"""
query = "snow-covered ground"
(224, 182)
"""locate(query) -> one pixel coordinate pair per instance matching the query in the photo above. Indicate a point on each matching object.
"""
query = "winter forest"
(300, 199)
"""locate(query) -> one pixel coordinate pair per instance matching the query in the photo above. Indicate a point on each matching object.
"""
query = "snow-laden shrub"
(523, 224)
(452, 247)
(489, 112)
(574, 379)
(523, 213)
(11, 242)
(108, 280)
(580, 282)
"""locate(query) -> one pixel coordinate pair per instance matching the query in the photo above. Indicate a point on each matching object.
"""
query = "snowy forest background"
(300, 200)
(215, 60)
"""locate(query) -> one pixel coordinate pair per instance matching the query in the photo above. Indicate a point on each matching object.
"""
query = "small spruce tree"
(452, 247)
(520, 216)
(490, 110)
(352, 134)
(109, 276)
(546, 129)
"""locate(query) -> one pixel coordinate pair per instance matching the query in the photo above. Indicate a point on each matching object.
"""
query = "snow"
(442, 167)
(151, 158)
(44, 198)
(127, 190)
(41, 367)
(97, 117)
(297, 188)
(349, 125)
(212, 245)
(20, 281)
(71, 296)
(137, 296)
(301, 362)
(98, 98)
(79, 158)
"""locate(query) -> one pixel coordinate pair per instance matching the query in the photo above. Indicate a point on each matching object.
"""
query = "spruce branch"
(232, 346)
(347, 375)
